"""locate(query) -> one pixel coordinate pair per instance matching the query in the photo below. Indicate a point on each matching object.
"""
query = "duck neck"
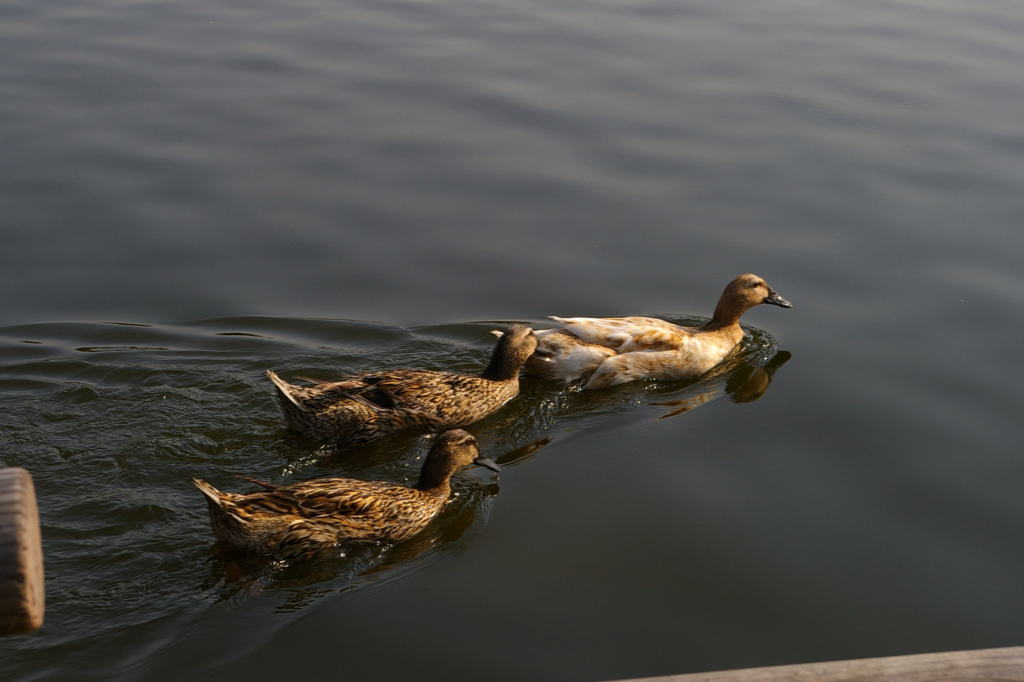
(442, 490)
(727, 315)
(502, 366)
(435, 476)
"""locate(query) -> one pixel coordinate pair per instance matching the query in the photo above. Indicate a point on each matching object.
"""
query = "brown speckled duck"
(356, 411)
(602, 352)
(296, 521)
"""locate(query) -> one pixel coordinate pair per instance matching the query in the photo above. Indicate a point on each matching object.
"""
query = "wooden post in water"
(951, 666)
(22, 597)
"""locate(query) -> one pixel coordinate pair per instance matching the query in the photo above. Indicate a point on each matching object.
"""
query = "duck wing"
(328, 497)
(414, 390)
(361, 389)
(628, 334)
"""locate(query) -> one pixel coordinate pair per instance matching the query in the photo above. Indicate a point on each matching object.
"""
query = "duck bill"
(486, 463)
(775, 299)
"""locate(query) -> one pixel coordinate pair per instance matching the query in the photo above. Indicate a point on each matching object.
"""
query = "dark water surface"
(191, 194)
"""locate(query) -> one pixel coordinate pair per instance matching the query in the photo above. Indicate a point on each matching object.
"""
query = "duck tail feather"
(345, 384)
(285, 389)
(263, 484)
(212, 493)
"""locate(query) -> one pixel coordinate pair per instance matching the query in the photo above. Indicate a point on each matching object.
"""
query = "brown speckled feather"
(357, 410)
(301, 519)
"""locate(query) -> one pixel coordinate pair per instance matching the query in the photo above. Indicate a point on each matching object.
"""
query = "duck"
(300, 520)
(596, 353)
(358, 410)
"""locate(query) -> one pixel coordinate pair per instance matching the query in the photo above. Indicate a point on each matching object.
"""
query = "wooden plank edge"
(22, 589)
(953, 666)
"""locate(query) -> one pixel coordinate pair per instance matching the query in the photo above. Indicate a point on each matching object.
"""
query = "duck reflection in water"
(299, 520)
(538, 421)
(743, 382)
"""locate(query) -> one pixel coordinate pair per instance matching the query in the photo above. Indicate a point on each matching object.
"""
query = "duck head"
(515, 345)
(742, 294)
(451, 451)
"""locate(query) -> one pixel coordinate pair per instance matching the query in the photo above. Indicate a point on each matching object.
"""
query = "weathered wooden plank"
(952, 666)
(22, 594)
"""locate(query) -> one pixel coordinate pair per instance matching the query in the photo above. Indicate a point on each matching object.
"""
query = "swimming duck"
(299, 520)
(356, 411)
(602, 352)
